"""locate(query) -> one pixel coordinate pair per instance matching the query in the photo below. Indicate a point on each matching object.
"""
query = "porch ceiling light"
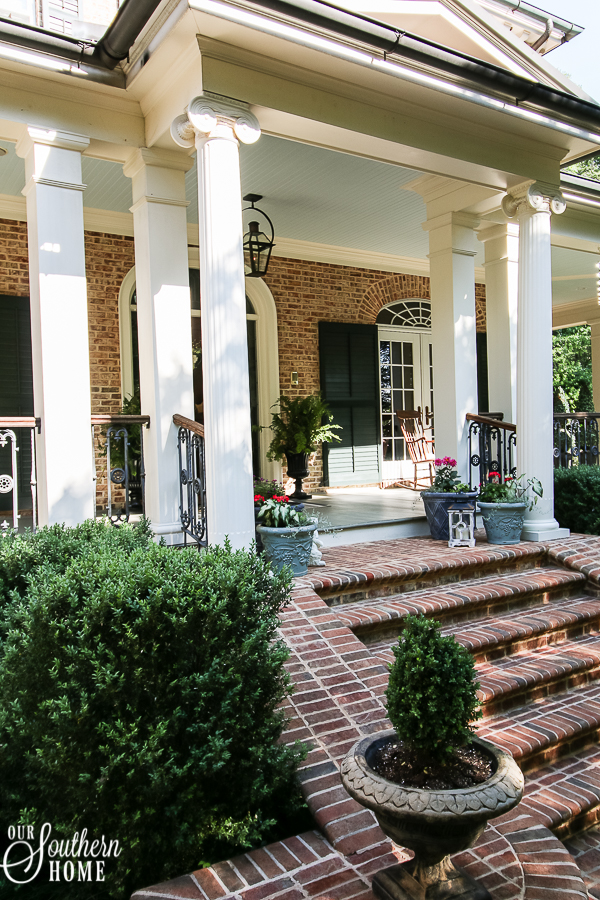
(257, 245)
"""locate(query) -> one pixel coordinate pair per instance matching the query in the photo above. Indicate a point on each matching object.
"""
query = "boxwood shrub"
(139, 695)
(432, 692)
(577, 498)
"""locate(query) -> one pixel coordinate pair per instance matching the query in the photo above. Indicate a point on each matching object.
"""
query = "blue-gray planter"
(436, 505)
(288, 546)
(503, 522)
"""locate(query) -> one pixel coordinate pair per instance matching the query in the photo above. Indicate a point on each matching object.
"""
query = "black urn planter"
(434, 824)
(297, 468)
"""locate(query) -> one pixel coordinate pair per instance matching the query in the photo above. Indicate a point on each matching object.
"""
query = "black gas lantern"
(257, 245)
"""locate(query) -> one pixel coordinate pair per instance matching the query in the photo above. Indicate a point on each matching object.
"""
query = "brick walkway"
(497, 601)
(585, 850)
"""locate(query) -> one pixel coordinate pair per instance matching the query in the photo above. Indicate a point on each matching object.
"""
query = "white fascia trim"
(273, 26)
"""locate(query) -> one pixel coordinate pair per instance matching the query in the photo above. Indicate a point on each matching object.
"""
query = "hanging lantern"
(461, 525)
(257, 244)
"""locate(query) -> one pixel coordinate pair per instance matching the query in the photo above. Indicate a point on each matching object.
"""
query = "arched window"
(406, 314)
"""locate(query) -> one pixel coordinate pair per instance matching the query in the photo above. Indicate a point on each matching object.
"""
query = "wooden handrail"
(20, 422)
(192, 426)
(495, 423)
(120, 420)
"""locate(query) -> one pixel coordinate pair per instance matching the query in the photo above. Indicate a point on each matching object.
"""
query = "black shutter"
(16, 390)
(349, 360)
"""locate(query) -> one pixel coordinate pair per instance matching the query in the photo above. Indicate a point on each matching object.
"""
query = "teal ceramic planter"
(437, 504)
(288, 546)
(503, 522)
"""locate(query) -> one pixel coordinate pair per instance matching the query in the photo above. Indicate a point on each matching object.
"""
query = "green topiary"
(140, 689)
(577, 498)
(431, 696)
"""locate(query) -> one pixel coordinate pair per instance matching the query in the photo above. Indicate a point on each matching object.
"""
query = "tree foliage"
(588, 168)
(572, 375)
(577, 498)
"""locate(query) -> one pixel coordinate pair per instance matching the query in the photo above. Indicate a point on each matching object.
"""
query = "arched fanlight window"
(406, 313)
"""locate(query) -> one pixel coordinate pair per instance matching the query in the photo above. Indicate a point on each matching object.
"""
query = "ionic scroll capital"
(208, 115)
(535, 196)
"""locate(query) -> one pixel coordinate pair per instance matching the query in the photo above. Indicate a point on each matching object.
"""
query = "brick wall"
(307, 293)
(108, 258)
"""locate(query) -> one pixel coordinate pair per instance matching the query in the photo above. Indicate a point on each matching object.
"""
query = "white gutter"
(277, 28)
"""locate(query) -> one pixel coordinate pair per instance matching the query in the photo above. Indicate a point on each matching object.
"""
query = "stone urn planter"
(297, 468)
(437, 504)
(288, 546)
(434, 824)
(503, 522)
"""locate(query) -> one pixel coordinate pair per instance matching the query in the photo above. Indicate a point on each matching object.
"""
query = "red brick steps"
(476, 599)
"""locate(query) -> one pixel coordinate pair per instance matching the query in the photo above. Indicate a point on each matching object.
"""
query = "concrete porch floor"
(357, 515)
(530, 615)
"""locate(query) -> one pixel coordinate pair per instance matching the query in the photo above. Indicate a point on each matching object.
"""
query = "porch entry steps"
(530, 615)
(533, 628)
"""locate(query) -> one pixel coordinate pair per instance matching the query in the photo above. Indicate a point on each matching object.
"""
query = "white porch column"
(215, 126)
(452, 248)
(59, 324)
(501, 297)
(164, 322)
(595, 336)
(532, 205)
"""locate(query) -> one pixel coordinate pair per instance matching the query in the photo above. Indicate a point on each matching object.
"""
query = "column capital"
(64, 140)
(536, 196)
(162, 159)
(210, 115)
(495, 231)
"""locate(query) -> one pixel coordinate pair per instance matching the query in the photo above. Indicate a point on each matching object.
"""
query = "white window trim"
(125, 339)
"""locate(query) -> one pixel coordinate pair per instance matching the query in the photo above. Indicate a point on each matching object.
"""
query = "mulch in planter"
(466, 767)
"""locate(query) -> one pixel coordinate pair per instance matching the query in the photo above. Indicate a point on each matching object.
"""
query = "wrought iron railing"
(118, 460)
(192, 479)
(15, 430)
(575, 439)
(492, 448)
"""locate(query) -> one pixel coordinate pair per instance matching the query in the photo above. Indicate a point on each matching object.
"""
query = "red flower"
(494, 474)
(258, 498)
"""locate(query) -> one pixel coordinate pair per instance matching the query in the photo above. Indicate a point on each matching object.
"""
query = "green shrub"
(431, 696)
(577, 498)
(139, 694)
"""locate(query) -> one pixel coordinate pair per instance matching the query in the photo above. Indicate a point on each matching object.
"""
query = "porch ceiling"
(320, 196)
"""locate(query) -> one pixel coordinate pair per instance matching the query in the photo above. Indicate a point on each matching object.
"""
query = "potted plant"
(286, 533)
(503, 505)
(430, 782)
(298, 428)
(446, 490)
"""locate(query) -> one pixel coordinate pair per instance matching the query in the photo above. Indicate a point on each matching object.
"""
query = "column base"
(544, 532)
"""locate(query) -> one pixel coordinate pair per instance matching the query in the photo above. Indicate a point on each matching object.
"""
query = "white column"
(452, 248)
(532, 205)
(595, 336)
(215, 126)
(501, 298)
(164, 322)
(59, 324)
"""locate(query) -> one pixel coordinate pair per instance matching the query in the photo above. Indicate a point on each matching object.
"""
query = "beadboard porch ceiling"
(318, 196)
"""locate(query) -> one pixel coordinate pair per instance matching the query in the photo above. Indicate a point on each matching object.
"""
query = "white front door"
(406, 369)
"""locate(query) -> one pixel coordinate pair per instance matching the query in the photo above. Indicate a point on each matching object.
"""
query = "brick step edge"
(392, 575)
(456, 600)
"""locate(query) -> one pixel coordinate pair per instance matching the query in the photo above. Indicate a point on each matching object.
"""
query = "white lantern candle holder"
(461, 525)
